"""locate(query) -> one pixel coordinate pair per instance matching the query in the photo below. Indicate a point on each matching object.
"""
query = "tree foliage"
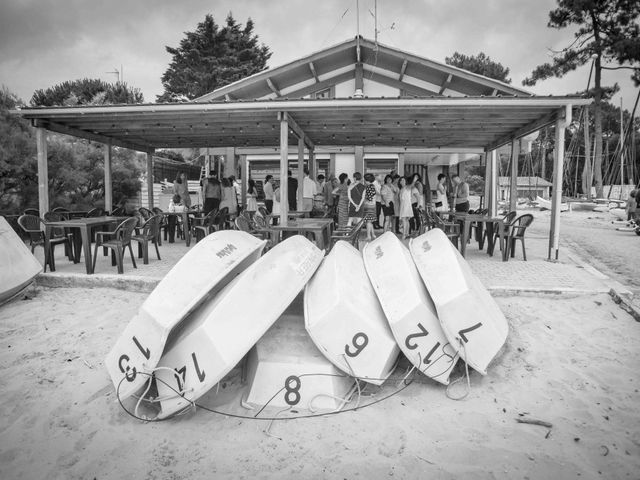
(212, 57)
(75, 166)
(607, 32)
(481, 64)
(86, 92)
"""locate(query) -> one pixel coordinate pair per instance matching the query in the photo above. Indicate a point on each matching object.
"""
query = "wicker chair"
(95, 212)
(119, 239)
(243, 225)
(149, 232)
(351, 236)
(451, 229)
(31, 211)
(33, 225)
(146, 213)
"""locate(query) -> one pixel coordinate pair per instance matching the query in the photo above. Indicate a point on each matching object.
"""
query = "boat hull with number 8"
(345, 320)
(470, 317)
(408, 307)
(222, 331)
(209, 266)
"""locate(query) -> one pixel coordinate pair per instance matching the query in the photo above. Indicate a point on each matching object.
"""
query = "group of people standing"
(399, 198)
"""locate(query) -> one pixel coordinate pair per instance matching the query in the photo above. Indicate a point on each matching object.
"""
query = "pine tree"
(480, 64)
(88, 91)
(212, 57)
(608, 32)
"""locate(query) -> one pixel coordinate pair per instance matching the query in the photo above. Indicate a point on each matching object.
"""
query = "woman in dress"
(343, 200)
(416, 186)
(181, 187)
(229, 198)
(442, 205)
(252, 196)
(387, 194)
(406, 212)
(369, 199)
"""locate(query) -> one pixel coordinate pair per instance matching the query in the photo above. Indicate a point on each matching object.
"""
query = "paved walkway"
(537, 275)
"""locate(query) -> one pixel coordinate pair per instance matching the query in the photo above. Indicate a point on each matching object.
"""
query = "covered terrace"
(398, 125)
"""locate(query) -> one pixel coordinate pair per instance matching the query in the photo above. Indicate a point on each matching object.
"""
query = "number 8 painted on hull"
(292, 389)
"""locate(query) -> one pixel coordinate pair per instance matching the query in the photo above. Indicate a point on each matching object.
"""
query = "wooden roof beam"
(273, 88)
(403, 69)
(446, 83)
(527, 129)
(293, 125)
(94, 137)
(312, 67)
(392, 82)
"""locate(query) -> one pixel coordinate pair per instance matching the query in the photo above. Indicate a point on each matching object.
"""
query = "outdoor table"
(85, 226)
(467, 219)
(320, 228)
(171, 218)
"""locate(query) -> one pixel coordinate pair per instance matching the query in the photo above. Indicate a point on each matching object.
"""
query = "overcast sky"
(45, 42)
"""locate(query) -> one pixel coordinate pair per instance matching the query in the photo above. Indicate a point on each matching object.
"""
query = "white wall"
(375, 89)
(345, 163)
(346, 89)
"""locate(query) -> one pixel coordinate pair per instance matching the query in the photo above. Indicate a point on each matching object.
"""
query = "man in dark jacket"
(292, 192)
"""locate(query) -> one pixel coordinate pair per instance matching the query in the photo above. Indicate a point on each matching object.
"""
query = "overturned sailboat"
(470, 317)
(223, 330)
(208, 267)
(408, 307)
(345, 320)
(18, 265)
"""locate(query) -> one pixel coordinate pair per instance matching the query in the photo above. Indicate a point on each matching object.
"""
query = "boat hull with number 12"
(470, 317)
(408, 307)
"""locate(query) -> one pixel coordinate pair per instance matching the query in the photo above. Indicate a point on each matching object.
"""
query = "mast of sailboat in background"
(621, 148)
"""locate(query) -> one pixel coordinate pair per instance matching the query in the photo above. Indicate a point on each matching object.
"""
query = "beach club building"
(356, 106)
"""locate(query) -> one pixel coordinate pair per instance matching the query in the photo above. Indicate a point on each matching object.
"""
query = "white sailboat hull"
(17, 264)
(470, 317)
(546, 204)
(208, 267)
(345, 320)
(223, 330)
(408, 307)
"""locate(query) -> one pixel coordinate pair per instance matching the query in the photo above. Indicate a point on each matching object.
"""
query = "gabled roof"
(415, 75)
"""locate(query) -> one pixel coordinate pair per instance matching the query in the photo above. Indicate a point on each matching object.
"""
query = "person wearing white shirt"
(268, 193)
(308, 191)
(378, 186)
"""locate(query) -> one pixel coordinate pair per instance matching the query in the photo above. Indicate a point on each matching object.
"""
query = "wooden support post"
(332, 165)
(230, 162)
(513, 178)
(401, 164)
(487, 180)
(207, 163)
(244, 177)
(313, 167)
(493, 197)
(556, 199)
(150, 178)
(359, 77)
(108, 182)
(359, 157)
(43, 171)
(284, 167)
(300, 171)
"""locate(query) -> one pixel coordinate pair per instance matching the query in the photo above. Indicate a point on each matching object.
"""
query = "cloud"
(44, 42)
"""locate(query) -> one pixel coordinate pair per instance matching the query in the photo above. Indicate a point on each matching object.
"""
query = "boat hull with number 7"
(470, 317)
(345, 320)
(208, 267)
(222, 331)
(408, 307)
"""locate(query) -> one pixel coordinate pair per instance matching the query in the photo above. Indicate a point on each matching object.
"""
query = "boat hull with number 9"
(470, 317)
(345, 320)
(408, 307)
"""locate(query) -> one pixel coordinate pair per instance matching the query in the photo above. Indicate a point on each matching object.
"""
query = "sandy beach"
(569, 361)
